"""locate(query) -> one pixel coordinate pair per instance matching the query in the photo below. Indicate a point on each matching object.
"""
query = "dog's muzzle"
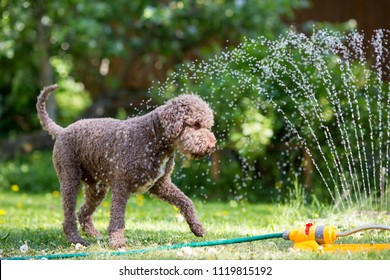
(196, 144)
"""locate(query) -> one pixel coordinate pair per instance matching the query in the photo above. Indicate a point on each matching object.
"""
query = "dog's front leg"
(116, 229)
(168, 192)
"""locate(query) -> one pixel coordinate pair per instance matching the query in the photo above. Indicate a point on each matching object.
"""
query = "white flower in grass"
(294, 251)
(180, 218)
(79, 246)
(212, 251)
(187, 251)
(24, 248)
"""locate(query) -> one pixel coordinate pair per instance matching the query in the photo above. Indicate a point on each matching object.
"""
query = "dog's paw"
(79, 242)
(198, 230)
(117, 244)
(117, 239)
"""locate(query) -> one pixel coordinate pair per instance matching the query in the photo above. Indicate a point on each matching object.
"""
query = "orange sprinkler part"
(354, 247)
(322, 238)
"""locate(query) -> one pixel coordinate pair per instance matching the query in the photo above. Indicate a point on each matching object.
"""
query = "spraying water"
(330, 89)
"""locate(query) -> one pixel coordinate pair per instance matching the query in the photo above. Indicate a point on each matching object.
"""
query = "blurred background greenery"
(105, 55)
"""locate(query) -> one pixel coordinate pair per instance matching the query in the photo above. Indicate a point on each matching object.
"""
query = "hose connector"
(311, 237)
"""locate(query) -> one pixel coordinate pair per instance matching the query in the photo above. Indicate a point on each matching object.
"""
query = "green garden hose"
(160, 248)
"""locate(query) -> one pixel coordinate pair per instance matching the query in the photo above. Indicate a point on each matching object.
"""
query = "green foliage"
(82, 34)
(253, 134)
(80, 37)
(33, 173)
(71, 98)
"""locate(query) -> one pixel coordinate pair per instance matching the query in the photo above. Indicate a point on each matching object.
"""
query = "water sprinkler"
(322, 238)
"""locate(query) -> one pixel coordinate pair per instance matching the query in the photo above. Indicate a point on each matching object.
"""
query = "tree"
(114, 49)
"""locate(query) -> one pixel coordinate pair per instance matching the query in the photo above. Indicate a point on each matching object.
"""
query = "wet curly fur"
(131, 156)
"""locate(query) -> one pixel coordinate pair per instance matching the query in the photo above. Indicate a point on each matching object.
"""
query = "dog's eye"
(196, 125)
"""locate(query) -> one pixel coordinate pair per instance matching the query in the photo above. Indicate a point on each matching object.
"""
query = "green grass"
(35, 220)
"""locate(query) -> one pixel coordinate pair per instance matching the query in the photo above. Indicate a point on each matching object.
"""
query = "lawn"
(35, 220)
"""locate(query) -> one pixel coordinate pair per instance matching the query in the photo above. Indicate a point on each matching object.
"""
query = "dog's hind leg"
(69, 174)
(94, 194)
(69, 188)
(168, 192)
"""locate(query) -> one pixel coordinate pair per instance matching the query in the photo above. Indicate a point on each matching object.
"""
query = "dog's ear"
(172, 118)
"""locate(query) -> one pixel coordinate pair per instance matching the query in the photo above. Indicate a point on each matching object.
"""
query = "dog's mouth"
(196, 156)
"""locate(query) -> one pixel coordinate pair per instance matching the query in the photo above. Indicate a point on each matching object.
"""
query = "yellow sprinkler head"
(311, 237)
(321, 238)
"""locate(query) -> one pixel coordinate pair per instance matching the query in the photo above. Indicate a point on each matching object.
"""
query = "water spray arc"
(328, 93)
(309, 238)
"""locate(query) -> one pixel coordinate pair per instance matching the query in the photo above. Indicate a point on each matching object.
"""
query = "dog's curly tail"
(47, 123)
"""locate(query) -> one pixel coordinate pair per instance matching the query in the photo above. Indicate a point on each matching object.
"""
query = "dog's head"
(187, 120)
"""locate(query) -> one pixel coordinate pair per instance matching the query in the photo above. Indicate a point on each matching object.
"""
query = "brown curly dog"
(131, 156)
